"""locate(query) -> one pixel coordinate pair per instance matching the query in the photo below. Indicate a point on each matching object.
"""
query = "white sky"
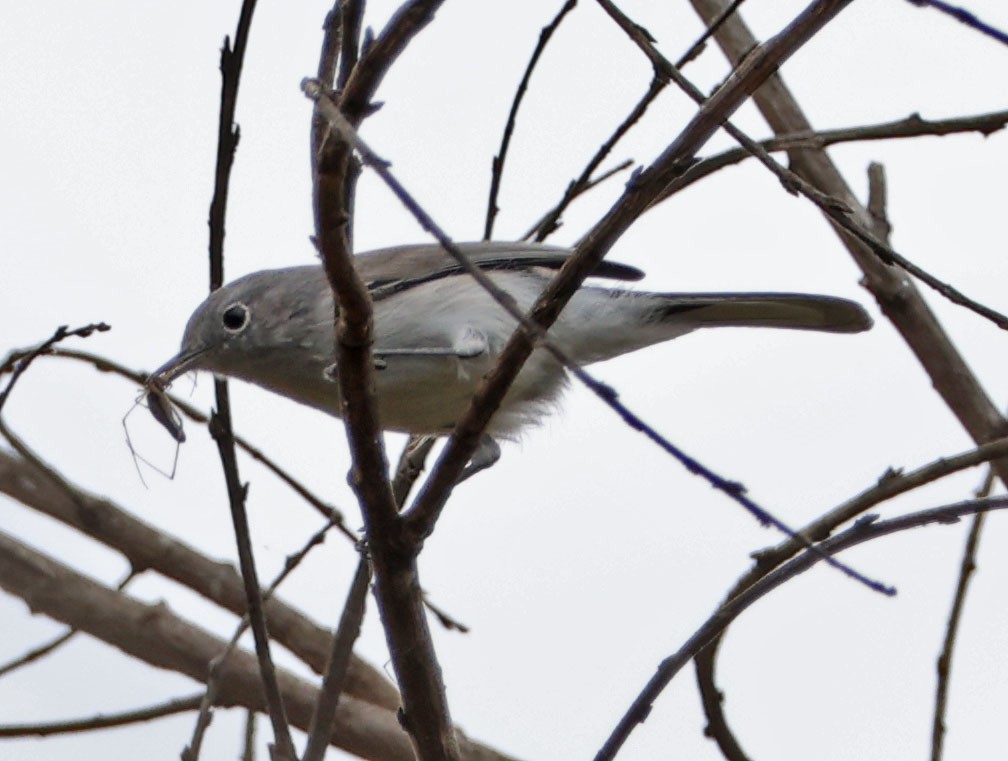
(586, 555)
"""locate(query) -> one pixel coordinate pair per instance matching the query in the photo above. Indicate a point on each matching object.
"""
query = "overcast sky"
(586, 555)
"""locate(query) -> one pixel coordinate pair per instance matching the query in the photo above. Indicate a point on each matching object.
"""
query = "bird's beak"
(174, 367)
(157, 400)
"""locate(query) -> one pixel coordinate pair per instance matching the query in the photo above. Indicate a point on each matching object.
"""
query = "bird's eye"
(235, 317)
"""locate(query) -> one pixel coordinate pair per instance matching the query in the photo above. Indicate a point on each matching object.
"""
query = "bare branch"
(352, 13)
(248, 744)
(155, 635)
(411, 465)
(497, 168)
(17, 362)
(363, 81)
(890, 485)
(220, 430)
(228, 135)
(878, 199)
(551, 220)
(963, 16)
(837, 210)
(40, 652)
(206, 705)
(102, 720)
(37, 653)
(146, 548)
(220, 421)
(330, 55)
(321, 727)
(911, 126)
(698, 47)
(966, 569)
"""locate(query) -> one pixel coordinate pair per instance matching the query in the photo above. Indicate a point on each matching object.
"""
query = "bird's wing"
(389, 270)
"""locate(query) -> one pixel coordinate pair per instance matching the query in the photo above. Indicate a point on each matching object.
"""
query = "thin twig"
(911, 126)
(352, 12)
(17, 362)
(966, 568)
(329, 59)
(890, 485)
(551, 220)
(447, 621)
(220, 430)
(944, 667)
(698, 47)
(877, 205)
(37, 653)
(323, 719)
(103, 720)
(248, 741)
(220, 422)
(214, 672)
(368, 72)
(228, 135)
(964, 16)
(411, 465)
(543, 222)
(497, 165)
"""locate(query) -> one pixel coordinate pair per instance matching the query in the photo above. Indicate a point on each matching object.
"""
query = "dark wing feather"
(389, 270)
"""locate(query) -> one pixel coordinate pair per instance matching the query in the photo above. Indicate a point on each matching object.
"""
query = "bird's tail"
(624, 321)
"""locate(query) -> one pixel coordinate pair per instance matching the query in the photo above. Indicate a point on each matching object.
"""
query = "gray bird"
(437, 332)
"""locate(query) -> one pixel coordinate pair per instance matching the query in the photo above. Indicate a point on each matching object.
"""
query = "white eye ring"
(235, 317)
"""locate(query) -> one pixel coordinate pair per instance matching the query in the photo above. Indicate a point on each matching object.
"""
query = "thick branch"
(155, 635)
(146, 548)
